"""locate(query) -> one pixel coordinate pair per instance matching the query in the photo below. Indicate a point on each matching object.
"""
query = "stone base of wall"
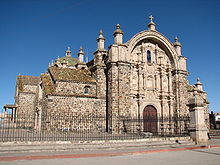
(75, 114)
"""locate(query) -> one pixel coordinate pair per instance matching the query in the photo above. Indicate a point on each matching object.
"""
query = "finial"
(81, 50)
(68, 52)
(198, 81)
(118, 26)
(199, 85)
(151, 25)
(101, 35)
(118, 30)
(176, 39)
(177, 43)
(49, 64)
(100, 32)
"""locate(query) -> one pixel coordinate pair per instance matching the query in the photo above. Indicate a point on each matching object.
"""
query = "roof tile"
(68, 74)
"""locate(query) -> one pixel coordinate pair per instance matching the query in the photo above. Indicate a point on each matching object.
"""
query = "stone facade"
(121, 82)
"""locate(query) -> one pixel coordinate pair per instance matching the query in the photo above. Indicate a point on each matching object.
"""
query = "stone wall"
(100, 77)
(30, 88)
(26, 109)
(75, 113)
(74, 88)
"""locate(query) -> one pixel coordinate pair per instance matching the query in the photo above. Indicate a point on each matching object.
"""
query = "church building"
(142, 79)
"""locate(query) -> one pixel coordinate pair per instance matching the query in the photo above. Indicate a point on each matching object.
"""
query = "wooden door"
(150, 119)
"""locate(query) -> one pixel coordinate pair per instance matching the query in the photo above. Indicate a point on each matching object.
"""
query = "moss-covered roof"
(68, 74)
(69, 60)
(26, 80)
(47, 83)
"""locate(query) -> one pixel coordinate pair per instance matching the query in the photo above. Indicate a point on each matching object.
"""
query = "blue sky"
(33, 32)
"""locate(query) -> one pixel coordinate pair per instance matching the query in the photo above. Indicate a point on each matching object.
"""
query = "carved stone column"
(171, 108)
(170, 82)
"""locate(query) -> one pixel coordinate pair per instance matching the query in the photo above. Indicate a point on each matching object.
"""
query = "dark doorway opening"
(150, 119)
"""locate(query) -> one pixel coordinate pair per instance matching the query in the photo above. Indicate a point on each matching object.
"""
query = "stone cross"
(151, 18)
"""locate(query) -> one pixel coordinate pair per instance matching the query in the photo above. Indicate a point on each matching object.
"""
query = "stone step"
(214, 132)
(95, 145)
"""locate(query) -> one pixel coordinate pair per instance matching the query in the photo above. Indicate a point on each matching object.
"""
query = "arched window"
(148, 56)
(86, 90)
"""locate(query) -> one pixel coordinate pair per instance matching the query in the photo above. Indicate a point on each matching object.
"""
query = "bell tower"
(99, 66)
(118, 84)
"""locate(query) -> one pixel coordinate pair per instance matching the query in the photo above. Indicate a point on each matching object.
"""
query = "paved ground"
(209, 156)
(138, 154)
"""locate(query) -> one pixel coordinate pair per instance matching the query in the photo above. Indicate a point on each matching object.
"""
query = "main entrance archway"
(150, 119)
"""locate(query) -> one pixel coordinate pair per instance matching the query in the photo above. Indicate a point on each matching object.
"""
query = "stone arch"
(150, 119)
(158, 38)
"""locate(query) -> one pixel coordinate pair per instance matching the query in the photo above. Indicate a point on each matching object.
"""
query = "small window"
(148, 56)
(86, 90)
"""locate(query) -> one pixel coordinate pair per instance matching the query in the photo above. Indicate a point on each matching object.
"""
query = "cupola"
(81, 55)
(118, 35)
(177, 46)
(101, 41)
(199, 85)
